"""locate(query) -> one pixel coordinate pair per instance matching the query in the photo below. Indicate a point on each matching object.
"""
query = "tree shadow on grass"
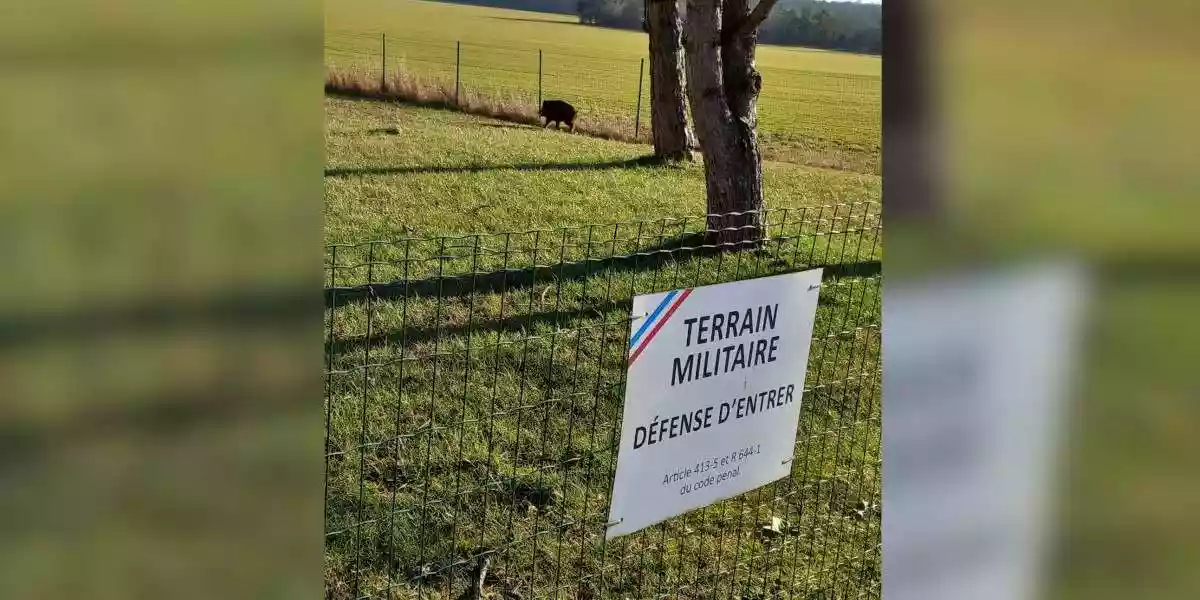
(514, 280)
(360, 132)
(651, 257)
(641, 161)
(511, 280)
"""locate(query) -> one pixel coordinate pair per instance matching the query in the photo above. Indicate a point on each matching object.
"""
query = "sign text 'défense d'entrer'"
(715, 376)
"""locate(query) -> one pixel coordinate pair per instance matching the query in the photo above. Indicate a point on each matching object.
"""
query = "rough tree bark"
(668, 114)
(723, 87)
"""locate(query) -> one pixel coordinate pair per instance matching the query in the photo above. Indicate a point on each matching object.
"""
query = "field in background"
(445, 172)
(817, 107)
(472, 408)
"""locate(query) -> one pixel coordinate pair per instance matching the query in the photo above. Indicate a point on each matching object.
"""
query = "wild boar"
(558, 112)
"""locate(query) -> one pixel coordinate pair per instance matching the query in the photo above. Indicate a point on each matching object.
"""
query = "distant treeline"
(834, 25)
(851, 26)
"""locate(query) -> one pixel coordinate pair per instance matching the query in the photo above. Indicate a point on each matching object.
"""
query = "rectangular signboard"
(976, 383)
(712, 399)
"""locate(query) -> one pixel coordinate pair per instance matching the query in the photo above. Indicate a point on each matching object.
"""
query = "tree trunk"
(724, 91)
(668, 114)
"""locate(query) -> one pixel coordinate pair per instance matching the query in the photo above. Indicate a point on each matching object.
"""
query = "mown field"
(474, 394)
(817, 107)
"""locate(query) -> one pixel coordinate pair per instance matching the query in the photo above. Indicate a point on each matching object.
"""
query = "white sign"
(976, 383)
(712, 399)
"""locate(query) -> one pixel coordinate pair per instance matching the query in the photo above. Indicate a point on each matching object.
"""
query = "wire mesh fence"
(474, 389)
(806, 116)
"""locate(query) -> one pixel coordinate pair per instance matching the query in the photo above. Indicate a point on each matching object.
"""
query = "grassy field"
(473, 404)
(817, 107)
(453, 173)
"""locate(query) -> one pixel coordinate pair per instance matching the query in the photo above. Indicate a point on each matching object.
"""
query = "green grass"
(473, 405)
(447, 172)
(817, 107)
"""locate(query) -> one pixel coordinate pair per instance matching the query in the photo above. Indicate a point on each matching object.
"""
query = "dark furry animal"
(558, 112)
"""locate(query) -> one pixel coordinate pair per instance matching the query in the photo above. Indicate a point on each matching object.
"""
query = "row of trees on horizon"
(849, 26)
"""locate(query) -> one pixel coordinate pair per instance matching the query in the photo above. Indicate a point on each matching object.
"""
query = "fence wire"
(474, 389)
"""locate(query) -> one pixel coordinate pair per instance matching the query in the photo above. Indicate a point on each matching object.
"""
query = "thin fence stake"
(637, 119)
(383, 72)
(457, 69)
(539, 77)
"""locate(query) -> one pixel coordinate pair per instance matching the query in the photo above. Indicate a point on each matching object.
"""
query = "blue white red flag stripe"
(653, 316)
(655, 322)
